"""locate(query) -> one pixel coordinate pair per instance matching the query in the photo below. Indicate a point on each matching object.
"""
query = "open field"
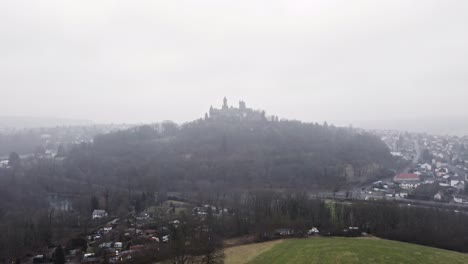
(245, 253)
(339, 250)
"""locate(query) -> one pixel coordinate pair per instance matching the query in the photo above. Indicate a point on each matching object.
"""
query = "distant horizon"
(346, 61)
(404, 125)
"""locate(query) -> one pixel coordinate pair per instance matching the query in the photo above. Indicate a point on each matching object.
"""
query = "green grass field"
(340, 250)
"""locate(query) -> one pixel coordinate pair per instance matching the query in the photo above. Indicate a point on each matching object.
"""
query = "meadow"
(339, 250)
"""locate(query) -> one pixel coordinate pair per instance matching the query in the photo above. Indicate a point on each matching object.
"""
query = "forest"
(244, 154)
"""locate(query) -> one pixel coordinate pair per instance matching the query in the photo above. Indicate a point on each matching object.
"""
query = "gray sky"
(143, 61)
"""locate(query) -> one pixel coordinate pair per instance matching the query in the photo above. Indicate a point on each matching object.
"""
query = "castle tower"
(225, 106)
(242, 105)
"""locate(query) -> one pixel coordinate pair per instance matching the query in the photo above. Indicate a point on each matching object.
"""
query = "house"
(4, 164)
(313, 231)
(408, 180)
(406, 177)
(409, 185)
(441, 172)
(430, 181)
(459, 184)
(460, 199)
(426, 166)
(98, 214)
(402, 194)
(118, 245)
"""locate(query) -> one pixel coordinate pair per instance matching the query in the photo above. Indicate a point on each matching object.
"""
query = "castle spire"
(225, 106)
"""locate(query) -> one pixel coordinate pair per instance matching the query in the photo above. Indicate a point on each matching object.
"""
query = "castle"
(231, 113)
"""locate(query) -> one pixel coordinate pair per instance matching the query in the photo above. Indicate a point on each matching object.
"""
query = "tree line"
(261, 213)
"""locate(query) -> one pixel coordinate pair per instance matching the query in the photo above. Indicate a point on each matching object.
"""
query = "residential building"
(98, 214)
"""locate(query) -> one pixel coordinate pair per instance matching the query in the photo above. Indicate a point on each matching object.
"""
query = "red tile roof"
(406, 176)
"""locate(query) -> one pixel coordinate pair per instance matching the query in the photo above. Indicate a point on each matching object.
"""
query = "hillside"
(235, 147)
(340, 250)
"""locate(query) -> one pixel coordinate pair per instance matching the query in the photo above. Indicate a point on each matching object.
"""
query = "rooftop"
(407, 176)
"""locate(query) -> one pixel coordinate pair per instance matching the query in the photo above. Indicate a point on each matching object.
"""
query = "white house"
(4, 164)
(438, 196)
(459, 199)
(313, 231)
(459, 184)
(426, 166)
(98, 214)
(409, 185)
(402, 194)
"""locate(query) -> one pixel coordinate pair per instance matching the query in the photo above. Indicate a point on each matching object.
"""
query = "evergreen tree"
(59, 256)
(94, 203)
(14, 160)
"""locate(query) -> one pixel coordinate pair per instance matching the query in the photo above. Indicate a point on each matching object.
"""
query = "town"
(435, 168)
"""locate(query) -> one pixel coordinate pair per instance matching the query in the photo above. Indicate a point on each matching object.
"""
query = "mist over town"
(237, 132)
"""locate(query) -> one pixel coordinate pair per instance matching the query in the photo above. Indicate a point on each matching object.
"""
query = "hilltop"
(234, 147)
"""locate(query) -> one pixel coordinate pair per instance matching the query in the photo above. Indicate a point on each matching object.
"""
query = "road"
(402, 202)
(416, 158)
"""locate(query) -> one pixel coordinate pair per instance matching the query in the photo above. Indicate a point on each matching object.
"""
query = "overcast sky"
(146, 61)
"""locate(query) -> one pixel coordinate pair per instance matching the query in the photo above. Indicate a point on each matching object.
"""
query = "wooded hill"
(231, 148)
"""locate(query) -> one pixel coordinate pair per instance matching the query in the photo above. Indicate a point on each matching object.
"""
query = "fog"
(347, 62)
